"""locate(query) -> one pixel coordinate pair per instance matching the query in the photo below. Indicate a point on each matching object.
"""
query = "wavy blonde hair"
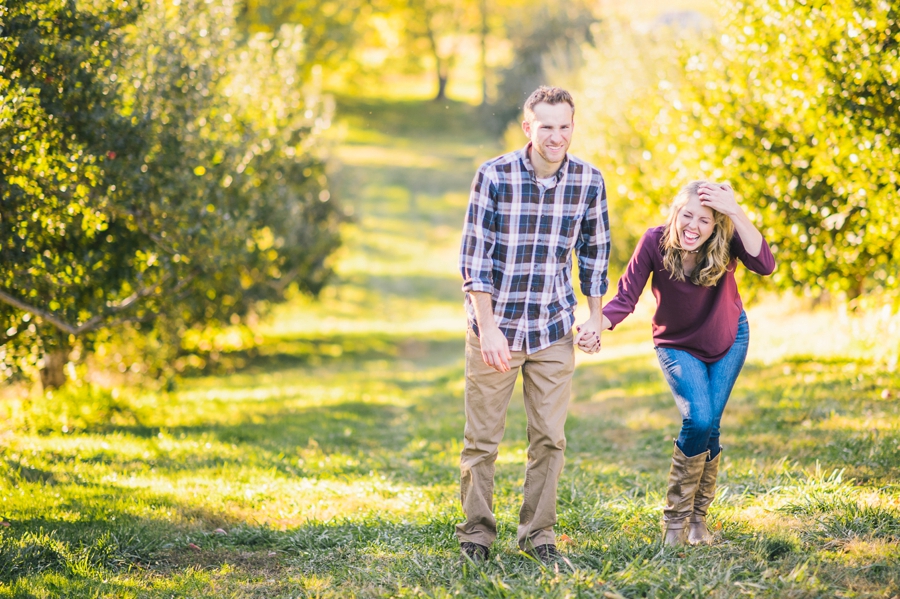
(712, 257)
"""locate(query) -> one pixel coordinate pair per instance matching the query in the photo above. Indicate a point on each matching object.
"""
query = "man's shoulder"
(503, 162)
(580, 166)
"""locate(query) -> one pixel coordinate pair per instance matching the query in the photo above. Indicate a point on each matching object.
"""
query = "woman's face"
(694, 224)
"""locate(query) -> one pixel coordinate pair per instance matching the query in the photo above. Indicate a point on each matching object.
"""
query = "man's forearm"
(484, 310)
(596, 306)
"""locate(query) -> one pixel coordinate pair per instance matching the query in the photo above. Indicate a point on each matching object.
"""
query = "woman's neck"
(688, 261)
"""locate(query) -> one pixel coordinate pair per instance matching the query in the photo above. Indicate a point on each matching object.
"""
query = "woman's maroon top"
(699, 320)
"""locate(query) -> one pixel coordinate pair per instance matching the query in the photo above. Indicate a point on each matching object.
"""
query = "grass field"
(327, 465)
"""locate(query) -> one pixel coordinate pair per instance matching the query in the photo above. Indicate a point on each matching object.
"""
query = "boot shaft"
(684, 482)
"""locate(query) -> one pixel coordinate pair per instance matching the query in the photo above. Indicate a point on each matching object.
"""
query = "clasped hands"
(587, 336)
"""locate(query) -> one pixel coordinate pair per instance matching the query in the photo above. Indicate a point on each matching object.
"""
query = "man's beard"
(540, 151)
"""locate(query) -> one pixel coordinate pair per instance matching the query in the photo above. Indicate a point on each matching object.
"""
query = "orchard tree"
(437, 28)
(547, 40)
(800, 100)
(331, 28)
(796, 103)
(162, 174)
(631, 123)
(68, 261)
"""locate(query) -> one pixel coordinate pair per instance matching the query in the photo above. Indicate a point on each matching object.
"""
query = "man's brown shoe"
(473, 552)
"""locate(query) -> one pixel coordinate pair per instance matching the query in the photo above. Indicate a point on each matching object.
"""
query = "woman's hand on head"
(719, 197)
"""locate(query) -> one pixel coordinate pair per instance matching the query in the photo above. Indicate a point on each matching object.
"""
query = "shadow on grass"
(425, 288)
(448, 119)
(609, 502)
(384, 556)
(291, 354)
(830, 412)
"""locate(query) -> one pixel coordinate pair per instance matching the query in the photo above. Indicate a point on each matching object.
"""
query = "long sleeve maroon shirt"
(699, 320)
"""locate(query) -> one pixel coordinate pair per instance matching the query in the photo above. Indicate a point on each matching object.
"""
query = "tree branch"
(92, 323)
(280, 284)
(48, 316)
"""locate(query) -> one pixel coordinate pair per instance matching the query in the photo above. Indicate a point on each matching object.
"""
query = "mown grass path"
(326, 465)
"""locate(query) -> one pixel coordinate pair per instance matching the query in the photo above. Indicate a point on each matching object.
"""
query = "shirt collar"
(526, 152)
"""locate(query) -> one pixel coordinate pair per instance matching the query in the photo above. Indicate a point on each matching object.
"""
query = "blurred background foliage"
(164, 174)
(164, 179)
(794, 102)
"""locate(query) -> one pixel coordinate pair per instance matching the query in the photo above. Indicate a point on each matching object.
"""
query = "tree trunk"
(442, 87)
(53, 374)
(441, 66)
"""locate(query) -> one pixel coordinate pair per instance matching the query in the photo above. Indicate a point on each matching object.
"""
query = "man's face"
(550, 131)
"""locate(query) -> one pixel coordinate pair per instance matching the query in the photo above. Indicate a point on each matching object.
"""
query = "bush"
(166, 174)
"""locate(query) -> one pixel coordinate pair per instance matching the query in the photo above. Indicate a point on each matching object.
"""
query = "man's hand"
(495, 349)
(494, 346)
(588, 337)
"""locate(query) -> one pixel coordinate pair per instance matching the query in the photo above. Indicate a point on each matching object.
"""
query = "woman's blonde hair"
(712, 257)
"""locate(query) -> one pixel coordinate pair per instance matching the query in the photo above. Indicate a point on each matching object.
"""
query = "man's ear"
(526, 127)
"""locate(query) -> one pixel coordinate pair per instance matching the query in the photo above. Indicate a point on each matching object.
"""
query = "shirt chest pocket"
(565, 240)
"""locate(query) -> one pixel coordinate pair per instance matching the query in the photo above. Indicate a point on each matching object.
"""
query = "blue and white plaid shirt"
(518, 240)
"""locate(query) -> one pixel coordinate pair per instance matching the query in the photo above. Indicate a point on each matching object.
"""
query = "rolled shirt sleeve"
(475, 257)
(593, 245)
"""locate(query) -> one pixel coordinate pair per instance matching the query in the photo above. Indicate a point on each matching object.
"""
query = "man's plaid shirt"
(518, 240)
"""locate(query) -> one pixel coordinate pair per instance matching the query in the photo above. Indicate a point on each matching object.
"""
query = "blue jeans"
(701, 390)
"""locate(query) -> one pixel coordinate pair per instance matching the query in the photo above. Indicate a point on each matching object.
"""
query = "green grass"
(326, 465)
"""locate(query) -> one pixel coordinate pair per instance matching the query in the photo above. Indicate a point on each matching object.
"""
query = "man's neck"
(542, 168)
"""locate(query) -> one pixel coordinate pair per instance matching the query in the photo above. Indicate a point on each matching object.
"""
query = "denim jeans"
(701, 390)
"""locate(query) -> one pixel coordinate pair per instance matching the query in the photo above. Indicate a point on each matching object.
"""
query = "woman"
(700, 332)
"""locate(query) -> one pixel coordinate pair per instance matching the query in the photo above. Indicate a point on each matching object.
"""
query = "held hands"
(719, 197)
(588, 339)
(588, 336)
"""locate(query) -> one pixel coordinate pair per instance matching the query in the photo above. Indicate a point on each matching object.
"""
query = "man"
(527, 211)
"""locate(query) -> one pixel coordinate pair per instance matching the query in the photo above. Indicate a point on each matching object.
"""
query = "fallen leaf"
(220, 531)
(4, 524)
(194, 547)
(565, 540)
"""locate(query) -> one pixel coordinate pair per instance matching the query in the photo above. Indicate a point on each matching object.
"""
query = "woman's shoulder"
(655, 232)
(652, 236)
(648, 244)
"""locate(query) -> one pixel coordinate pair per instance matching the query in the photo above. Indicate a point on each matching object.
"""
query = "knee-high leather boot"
(698, 533)
(684, 480)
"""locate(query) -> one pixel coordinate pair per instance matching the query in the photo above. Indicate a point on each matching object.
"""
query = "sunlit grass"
(326, 465)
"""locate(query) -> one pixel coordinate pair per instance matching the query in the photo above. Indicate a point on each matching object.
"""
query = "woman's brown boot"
(698, 533)
(684, 480)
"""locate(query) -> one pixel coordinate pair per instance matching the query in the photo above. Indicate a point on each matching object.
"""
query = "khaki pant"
(547, 384)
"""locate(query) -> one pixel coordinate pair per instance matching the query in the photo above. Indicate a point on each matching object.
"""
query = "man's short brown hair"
(548, 95)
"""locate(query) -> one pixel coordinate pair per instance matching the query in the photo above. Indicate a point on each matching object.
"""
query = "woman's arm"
(720, 197)
(631, 285)
(633, 280)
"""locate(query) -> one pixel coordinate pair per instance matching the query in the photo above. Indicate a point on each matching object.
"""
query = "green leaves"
(795, 104)
(147, 146)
